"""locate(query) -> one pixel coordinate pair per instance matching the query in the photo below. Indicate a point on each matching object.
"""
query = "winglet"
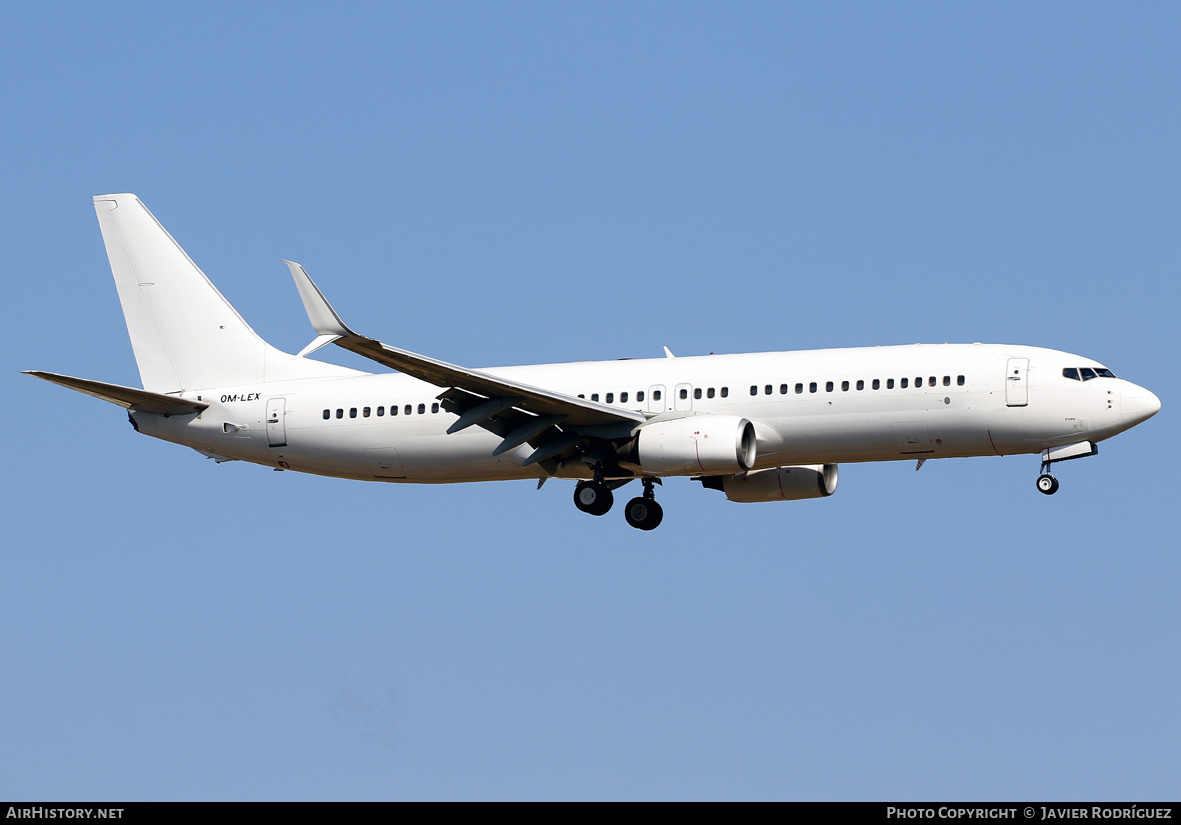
(317, 342)
(668, 353)
(323, 317)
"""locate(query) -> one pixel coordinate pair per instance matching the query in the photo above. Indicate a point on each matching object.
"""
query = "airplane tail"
(185, 334)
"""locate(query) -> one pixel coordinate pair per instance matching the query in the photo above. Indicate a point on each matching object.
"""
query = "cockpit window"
(1087, 373)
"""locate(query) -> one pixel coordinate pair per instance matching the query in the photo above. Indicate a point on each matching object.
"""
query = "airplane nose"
(1139, 404)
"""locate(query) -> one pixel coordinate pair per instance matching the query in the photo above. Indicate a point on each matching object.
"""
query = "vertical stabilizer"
(185, 334)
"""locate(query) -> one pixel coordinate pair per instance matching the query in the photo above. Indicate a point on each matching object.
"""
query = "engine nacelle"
(779, 484)
(697, 444)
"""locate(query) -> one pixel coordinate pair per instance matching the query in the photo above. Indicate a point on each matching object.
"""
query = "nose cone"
(1138, 405)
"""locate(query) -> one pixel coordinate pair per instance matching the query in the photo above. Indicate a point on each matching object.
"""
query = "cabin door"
(1017, 382)
(276, 429)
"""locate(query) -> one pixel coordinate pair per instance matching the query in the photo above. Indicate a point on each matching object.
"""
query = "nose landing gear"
(1047, 484)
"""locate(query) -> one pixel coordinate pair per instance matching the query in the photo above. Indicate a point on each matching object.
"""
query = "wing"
(129, 397)
(554, 423)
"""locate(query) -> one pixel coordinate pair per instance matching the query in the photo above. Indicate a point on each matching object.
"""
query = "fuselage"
(808, 407)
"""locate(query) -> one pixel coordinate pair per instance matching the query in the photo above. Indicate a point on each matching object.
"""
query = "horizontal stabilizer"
(129, 397)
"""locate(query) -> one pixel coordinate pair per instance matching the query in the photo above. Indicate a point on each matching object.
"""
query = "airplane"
(757, 427)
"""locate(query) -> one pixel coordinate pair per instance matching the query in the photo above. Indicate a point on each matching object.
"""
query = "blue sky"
(519, 183)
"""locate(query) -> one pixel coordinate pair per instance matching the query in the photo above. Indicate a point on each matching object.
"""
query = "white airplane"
(758, 427)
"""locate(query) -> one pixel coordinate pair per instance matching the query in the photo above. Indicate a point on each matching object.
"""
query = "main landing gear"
(593, 497)
(642, 512)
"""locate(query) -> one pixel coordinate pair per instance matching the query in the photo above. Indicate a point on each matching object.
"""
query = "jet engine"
(779, 484)
(711, 444)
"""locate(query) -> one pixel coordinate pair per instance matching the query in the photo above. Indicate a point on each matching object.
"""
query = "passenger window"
(783, 389)
(947, 380)
(656, 394)
(381, 412)
(339, 412)
(877, 383)
(844, 386)
(697, 392)
(767, 389)
(799, 389)
(931, 381)
(889, 383)
(365, 412)
(434, 408)
(594, 396)
(1087, 373)
(828, 386)
(623, 398)
(409, 409)
(709, 393)
(610, 398)
(918, 382)
(725, 391)
(393, 409)
(421, 409)
(352, 412)
(812, 387)
(860, 384)
(327, 414)
(1071, 373)
(959, 379)
(640, 395)
(904, 383)
(684, 393)
(754, 390)
(582, 395)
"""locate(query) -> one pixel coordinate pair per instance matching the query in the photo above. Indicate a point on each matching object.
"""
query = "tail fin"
(185, 334)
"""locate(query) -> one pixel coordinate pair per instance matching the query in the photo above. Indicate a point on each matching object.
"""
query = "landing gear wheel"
(643, 513)
(1047, 484)
(593, 497)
